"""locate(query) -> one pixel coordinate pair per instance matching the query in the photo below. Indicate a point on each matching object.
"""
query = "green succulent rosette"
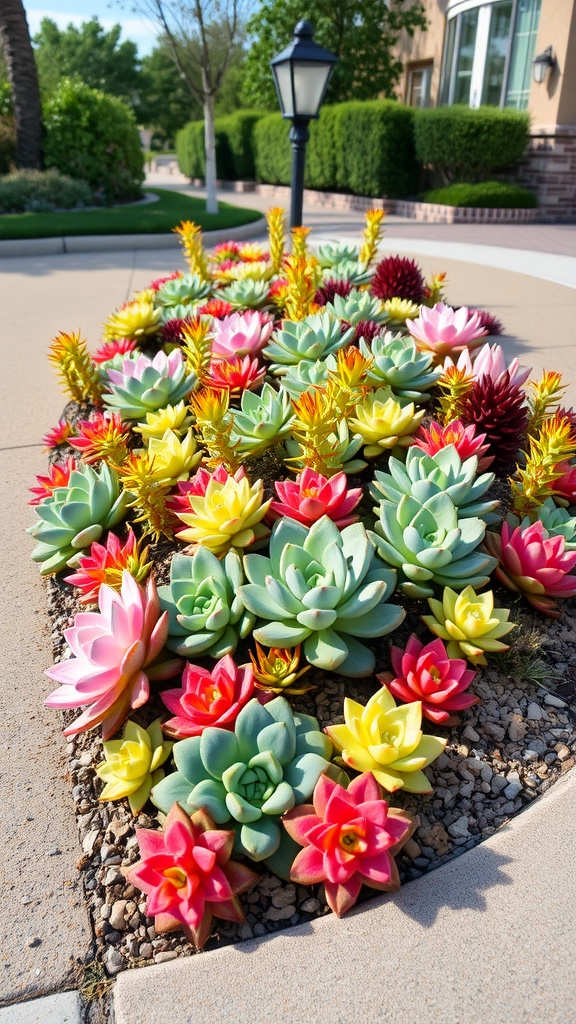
(304, 376)
(324, 588)
(558, 522)
(263, 420)
(356, 307)
(397, 363)
(76, 516)
(246, 294)
(248, 778)
(312, 338)
(354, 271)
(185, 290)
(331, 254)
(142, 385)
(431, 546)
(206, 615)
(422, 476)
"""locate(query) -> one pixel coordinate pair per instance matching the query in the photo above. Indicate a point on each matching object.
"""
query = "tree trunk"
(210, 147)
(23, 78)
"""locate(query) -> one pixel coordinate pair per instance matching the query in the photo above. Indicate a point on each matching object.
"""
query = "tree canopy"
(89, 53)
(362, 33)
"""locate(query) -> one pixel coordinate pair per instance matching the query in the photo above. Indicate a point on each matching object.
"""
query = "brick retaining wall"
(549, 169)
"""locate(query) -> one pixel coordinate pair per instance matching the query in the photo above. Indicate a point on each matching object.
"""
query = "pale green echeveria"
(76, 516)
(312, 338)
(188, 289)
(332, 253)
(262, 421)
(246, 294)
(431, 546)
(248, 778)
(356, 307)
(304, 376)
(324, 588)
(556, 521)
(339, 450)
(206, 615)
(349, 270)
(141, 385)
(397, 363)
(179, 312)
(423, 475)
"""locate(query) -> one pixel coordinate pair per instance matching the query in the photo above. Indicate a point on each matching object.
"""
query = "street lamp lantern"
(301, 75)
(542, 64)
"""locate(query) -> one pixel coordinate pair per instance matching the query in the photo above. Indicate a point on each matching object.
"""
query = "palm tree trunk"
(23, 78)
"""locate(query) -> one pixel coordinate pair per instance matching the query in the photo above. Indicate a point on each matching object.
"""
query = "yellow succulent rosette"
(173, 459)
(135, 319)
(228, 515)
(400, 310)
(387, 741)
(174, 417)
(132, 764)
(385, 422)
(259, 270)
(470, 622)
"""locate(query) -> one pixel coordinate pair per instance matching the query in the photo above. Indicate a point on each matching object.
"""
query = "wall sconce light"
(542, 64)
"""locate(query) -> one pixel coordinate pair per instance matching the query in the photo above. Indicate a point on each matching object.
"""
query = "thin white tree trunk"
(210, 147)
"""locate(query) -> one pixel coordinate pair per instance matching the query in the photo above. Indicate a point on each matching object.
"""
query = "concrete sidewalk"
(43, 922)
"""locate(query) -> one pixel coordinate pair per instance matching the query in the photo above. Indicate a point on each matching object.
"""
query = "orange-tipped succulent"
(106, 563)
(191, 240)
(78, 375)
(279, 670)
(104, 437)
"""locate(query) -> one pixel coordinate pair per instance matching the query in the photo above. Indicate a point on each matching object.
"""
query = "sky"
(108, 12)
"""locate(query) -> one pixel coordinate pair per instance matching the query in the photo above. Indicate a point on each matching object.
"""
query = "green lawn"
(157, 217)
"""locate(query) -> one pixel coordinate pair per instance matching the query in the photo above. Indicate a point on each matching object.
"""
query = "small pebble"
(164, 956)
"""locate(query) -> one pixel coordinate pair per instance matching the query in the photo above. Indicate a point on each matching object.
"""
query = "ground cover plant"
(123, 219)
(299, 512)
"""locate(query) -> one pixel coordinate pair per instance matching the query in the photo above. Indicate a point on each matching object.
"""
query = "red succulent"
(328, 289)
(498, 409)
(427, 674)
(398, 277)
(60, 434)
(58, 476)
(121, 346)
(465, 440)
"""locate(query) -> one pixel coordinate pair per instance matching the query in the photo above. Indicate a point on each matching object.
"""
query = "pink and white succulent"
(312, 496)
(444, 331)
(428, 674)
(350, 836)
(489, 361)
(533, 563)
(114, 652)
(241, 334)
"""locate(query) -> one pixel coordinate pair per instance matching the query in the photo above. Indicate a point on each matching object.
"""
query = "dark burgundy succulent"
(172, 330)
(367, 329)
(497, 409)
(398, 277)
(329, 289)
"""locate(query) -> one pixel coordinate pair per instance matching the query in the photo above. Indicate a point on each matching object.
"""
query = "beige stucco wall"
(554, 102)
(425, 46)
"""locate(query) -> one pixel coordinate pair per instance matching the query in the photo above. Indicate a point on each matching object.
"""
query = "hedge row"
(374, 148)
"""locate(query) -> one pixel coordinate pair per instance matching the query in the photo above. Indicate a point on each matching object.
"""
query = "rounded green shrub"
(29, 191)
(470, 145)
(93, 136)
(234, 146)
(498, 194)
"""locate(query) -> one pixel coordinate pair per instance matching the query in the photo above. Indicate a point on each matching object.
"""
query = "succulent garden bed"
(324, 460)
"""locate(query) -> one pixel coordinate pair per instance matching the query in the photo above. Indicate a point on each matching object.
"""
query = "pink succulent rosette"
(58, 435)
(188, 876)
(114, 650)
(565, 485)
(106, 563)
(489, 361)
(209, 698)
(350, 836)
(110, 349)
(241, 334)
(312, 496)
(427, 674)
(235, 374)
(534, 564)
(444, 331)
(58, 476)
(465, 440)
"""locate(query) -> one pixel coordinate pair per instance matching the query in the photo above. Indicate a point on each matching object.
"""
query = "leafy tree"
(362, 33)
(23, 78)
(89, 54)
(202, 36)
(165, 103)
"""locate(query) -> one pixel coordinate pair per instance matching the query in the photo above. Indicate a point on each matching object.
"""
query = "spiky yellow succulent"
(197, 346)
(384, 422)
(78, 375)
(172, 459)
(372, 236)
(191, 240)
(148, 496)
(347, 379)
(399, 310)
(435, 288)
(131, 765)
(554, 444)
(545, 397)
(135, 319)
(276, 237)
(174, 417)
(302, 282)
(229, 515)
(455, 383)
(470, 622)
(214, 425)
(299, 236)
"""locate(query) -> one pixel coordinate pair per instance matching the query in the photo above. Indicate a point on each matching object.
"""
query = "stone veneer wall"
(549, 168)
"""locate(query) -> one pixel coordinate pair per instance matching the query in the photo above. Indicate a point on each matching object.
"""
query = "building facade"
(482, 52)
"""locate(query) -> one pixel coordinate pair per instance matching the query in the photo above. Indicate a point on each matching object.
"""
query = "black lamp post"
(301, 75)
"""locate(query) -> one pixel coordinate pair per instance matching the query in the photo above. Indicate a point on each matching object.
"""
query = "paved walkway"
(469, 942)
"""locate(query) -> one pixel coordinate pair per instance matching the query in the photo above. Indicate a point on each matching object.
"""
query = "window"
(488, 52)
(418, 90)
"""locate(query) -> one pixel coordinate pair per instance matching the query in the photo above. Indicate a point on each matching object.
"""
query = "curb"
(106, 243)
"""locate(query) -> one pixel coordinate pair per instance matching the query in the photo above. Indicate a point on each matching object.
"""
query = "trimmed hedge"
(484, 193)
(29, 191)
(470, 145)
(234, 146)
(93, 136)
(365, 148)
